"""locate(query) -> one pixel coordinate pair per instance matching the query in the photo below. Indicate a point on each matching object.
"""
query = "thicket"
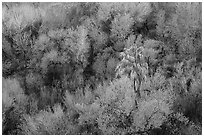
(102, 68)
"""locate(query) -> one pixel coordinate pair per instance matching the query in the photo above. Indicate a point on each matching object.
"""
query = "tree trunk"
(137, 90)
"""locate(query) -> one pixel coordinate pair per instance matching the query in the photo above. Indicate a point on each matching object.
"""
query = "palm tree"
(133, 65)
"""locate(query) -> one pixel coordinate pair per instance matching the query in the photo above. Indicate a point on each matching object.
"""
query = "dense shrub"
(12, 94)
(48, 123)
(13, 106)
(102, 68)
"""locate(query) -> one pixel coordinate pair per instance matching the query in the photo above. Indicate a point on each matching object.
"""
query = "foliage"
(102, 68)
(118, 30)
(46, 122)
(13, 106)
(188, 101)
(12, 93)
(174, 27)
(118, 100)
(151, 114)
(18, 17)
